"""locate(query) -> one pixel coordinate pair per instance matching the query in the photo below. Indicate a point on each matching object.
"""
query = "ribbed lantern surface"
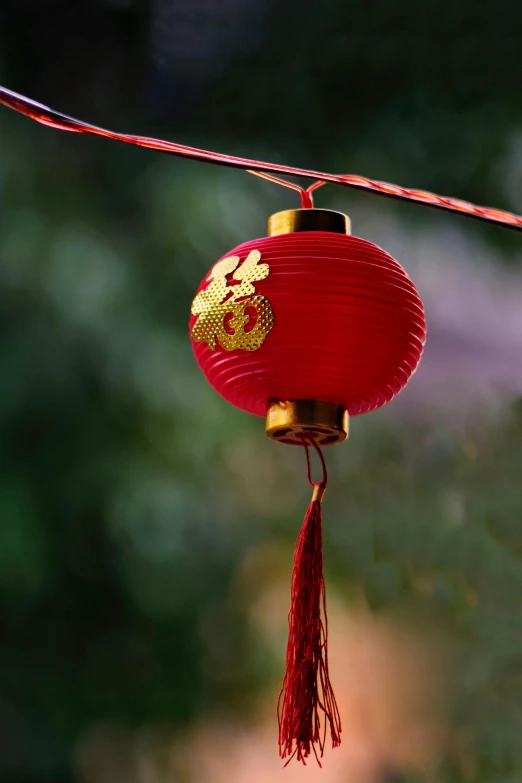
(340, 322)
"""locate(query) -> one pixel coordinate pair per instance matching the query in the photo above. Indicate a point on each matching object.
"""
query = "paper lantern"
(307, 327)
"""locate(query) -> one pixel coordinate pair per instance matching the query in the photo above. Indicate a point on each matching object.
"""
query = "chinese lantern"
(307, 327)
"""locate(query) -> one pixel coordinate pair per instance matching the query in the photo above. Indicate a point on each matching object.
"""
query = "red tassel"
(307, 691)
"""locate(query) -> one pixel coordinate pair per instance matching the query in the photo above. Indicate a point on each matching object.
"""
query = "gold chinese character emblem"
(226, 312)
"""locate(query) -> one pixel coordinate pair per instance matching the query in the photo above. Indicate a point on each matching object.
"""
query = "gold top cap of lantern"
(291, 221)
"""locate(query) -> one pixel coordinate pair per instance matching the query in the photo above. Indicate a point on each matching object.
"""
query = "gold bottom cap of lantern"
(296, 421)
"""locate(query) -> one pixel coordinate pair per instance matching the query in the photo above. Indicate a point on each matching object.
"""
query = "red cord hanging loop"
(324, 480)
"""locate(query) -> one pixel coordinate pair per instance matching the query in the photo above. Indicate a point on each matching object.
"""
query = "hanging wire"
(307, 200)
(54, 119)
(306, 195)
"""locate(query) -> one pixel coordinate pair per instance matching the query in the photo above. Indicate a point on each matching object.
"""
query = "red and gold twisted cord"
(54, 119)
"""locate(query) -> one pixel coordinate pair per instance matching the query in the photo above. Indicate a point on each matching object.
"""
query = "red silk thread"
(307, 695)
(47, 116)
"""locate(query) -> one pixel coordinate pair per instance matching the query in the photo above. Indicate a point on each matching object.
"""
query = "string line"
(47, 116)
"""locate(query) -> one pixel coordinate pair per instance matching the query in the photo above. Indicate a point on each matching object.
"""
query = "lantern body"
(331, 318)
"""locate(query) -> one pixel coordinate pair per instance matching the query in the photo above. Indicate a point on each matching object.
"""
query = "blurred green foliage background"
(131, 497)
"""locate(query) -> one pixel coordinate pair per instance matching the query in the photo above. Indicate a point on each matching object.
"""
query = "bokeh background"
(146, 528)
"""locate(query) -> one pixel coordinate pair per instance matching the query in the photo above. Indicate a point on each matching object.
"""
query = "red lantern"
(307, 327)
